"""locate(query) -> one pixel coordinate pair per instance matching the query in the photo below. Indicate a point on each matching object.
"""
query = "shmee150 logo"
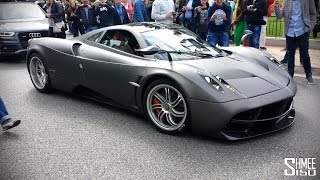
(300, 167)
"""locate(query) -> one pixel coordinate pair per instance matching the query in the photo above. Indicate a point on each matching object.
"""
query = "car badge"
(34, 35)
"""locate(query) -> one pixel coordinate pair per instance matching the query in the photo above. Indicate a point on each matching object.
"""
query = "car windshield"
(12, 11)
(179, 40)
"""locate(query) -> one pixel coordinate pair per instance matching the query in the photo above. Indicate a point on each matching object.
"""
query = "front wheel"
(166, 107)
(39, 74)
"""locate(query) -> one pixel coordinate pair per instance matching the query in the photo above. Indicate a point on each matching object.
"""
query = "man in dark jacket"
(108, 16)
(87, 16)
(254, 13)
(219, 15)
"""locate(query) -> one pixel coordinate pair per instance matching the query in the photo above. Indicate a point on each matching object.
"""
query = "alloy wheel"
(167, 107)
(38, 73)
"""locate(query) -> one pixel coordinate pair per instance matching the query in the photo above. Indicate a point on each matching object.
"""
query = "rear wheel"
(166, 107)
(39, 73)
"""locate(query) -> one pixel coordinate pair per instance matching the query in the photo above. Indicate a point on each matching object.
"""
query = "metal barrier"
(275, 28)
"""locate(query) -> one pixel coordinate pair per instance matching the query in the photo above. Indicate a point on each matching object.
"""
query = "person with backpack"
(201, 19)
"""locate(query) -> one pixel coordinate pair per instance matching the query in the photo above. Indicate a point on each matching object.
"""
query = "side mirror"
(150, 50)
(246, 35)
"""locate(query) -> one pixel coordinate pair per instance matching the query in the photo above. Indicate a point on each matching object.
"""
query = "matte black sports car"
(173, 77)
(20, 22)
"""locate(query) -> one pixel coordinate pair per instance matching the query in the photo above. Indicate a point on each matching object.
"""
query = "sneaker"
(310, 79)
(284, 61)
(263, 48)
(10, 123)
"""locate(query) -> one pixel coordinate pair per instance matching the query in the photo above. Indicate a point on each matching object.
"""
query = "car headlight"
(271, 58)
(214, 81)
(6, 34)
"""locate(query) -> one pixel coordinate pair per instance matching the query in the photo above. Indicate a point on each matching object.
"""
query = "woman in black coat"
(55, 14)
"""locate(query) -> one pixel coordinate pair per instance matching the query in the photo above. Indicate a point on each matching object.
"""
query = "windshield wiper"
(196, 53)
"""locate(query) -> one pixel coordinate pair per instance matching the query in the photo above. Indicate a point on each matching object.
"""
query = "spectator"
(121, 12)
(299, 19)
(254, 13)
(128, 4)
(188, 13)
(55, 14)
(5, 120)
(163, 11)
(66, 4)
(239, 21)
(178, 6)
(74, 21)
(201, 19)
(148, 4)
(87, 16)
(262, 42)
(108, 16)
(220, 19)
(140, 12)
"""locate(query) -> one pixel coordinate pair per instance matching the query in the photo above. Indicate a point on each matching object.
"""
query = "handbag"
(58, 26)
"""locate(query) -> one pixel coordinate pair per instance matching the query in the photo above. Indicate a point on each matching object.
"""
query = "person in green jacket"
(239, 21)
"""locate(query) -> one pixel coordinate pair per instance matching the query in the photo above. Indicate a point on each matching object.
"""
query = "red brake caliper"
(156, 101)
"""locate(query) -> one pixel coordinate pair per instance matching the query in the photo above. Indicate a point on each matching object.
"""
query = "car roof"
(145, 26)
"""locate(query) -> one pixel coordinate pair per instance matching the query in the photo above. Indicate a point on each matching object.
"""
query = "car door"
(111, 70)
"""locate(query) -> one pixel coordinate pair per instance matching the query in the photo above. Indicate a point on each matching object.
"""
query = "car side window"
(95, 37)
(121, 40)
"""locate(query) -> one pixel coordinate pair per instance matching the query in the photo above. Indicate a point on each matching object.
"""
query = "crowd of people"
(215, 21)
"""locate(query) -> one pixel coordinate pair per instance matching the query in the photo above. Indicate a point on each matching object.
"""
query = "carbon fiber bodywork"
(255, 98)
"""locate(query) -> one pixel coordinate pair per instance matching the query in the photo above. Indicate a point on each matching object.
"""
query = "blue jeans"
(255, 37)
(3, 112)
(220, 38)
(302, 42)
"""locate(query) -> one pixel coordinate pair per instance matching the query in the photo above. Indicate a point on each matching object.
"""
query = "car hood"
(250, 77)
(22, 25)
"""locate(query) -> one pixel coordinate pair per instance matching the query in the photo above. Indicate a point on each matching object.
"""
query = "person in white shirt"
(163, 11)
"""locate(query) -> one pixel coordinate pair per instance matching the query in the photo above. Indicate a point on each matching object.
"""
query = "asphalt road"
(65, 137)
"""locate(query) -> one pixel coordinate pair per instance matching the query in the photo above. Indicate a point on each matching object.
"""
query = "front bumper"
(228, 120)
(11, 46)
(18, 44)
(242, 129)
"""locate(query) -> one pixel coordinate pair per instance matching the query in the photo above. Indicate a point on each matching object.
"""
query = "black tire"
(171, 107)
(41, 86)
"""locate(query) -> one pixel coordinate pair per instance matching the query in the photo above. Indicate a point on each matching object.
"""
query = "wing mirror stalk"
(151, 50)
